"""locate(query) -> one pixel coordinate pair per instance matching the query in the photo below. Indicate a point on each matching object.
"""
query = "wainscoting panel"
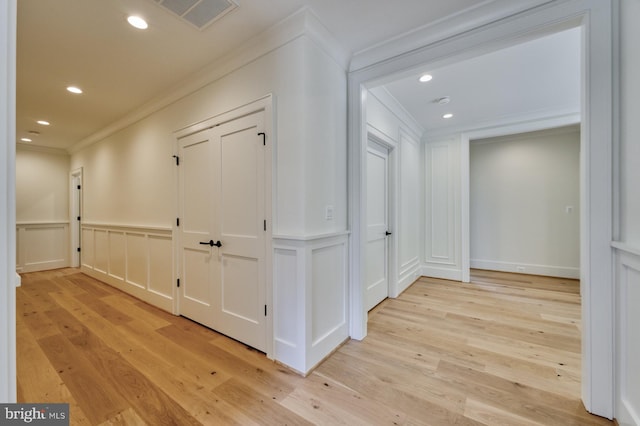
(628, 336)
(134, 259)
(160, 265)
(310, 298)
(42, 246)
(117, 255)
(442, 249)
(288, 332)
(409, 273)
(137, 271)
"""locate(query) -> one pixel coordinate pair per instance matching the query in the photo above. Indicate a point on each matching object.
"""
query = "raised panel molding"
(310, 298)
(137, 260)
(42, 246)
(627, 341)
(442, 251)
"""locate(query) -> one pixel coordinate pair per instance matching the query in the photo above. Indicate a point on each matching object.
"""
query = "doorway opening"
(594, 23)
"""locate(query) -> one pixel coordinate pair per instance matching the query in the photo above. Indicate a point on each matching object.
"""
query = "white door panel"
(196, 260)
(376, 253)
(241, 287)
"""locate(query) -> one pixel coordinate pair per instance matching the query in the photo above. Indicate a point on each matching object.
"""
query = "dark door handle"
(211, 243)
(387, 233)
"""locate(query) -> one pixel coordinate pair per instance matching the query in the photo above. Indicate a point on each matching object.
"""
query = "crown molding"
(468, 19)
(525, 123)
(42, 149)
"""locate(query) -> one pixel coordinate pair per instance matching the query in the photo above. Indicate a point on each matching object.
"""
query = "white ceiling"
(536, 78)
(89, 43)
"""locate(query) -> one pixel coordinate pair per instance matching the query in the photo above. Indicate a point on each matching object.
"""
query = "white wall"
(42, 209)
(628, 247)
(520, 189)
(128, 176)
(129, 200)
(42, 185)
(390, 120)
(629, 123)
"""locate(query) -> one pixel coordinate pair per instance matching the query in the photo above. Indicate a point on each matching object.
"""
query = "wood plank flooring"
(501, 350)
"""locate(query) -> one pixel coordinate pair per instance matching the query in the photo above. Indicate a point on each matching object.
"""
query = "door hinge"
(265, 310)
(178, 282)
(264, 138)
(78, 217)
(177, 160)
(265, 224)
(78, 186)
(177, 221)
(78, 249)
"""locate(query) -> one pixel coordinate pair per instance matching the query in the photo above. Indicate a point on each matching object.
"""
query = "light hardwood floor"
(502, 350)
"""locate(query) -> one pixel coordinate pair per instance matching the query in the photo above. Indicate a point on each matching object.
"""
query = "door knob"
(387, 233)
(211, 243)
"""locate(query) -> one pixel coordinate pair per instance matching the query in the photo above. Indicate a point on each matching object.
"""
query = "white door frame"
(8, 276)
(597, 224)
(263, 104)
(75, 212)
(392, 203)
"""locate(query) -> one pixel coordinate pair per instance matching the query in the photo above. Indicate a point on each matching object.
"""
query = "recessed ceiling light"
(425, 78)
(74, 89)
(25, 139)
(137, 22)
(448, 115)
(43, 122)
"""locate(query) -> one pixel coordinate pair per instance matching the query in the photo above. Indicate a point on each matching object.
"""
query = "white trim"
(382, 94)
(627, 248)
(8, 282)
(524, 123)
(527, 268)
(309, 237)
(159, 230)
(595, 16)
(28, 146)
(473, 17)
(441, 273)
(41, 223)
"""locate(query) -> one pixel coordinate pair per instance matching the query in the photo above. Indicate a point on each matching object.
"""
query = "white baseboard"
(525, 268)
(442, 273)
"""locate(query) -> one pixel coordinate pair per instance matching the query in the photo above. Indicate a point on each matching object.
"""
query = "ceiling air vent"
(199, 13)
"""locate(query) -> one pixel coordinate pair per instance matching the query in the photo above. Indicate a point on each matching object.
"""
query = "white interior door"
(222, 229)
(377, 251)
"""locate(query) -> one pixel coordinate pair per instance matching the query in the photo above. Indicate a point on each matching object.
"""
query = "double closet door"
(221, 233)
